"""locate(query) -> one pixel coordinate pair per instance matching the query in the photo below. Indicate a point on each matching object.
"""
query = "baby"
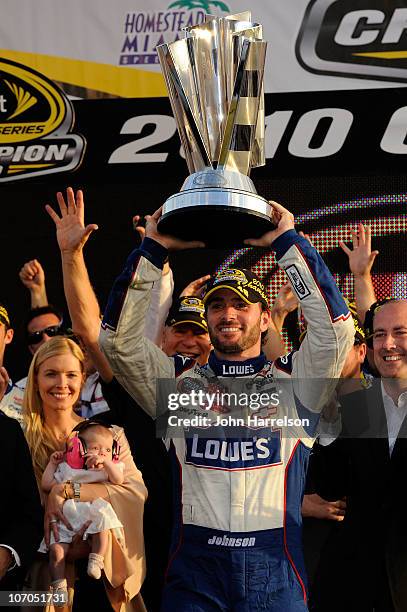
(91, 456)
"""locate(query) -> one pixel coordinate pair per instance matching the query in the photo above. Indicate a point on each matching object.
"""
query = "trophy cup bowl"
(214, 78)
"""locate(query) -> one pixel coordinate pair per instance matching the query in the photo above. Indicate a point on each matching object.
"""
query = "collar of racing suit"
(228, 367)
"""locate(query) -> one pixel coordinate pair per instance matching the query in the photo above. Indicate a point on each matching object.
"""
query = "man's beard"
(247, 340)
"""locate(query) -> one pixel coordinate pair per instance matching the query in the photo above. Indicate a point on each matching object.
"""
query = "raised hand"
(286, 301)
(32, 275)
(71, 231)
(194, 289)
(282, 218)
(361, 257)
(139, 228)
(57, 457)
(169, 242)
(94, 462)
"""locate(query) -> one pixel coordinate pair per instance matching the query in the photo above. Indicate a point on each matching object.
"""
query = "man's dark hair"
(371, 313)
(42, 310)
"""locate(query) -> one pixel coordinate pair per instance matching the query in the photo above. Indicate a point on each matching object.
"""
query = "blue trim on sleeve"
(323, 278)
(305, 413)
(333, 298)
(281, 244)
(154, 252)
(151, 250)
(119, 291)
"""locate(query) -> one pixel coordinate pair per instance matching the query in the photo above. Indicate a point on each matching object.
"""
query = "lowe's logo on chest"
(234, 454)
(237, 370)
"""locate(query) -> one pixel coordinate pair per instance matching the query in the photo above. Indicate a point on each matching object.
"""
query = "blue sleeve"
(151, 250)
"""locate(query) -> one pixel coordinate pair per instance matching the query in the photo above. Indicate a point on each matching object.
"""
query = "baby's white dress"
(100, 512)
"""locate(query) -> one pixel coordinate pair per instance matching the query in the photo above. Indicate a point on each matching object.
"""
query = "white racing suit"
(237, 500)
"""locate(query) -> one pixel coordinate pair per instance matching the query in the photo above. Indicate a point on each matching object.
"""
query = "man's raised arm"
(136, 362)
(361, 259)
(83, 306)
(330, 330)
(318, 363)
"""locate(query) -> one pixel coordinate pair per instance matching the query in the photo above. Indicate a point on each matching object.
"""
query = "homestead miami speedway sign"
(36, 119)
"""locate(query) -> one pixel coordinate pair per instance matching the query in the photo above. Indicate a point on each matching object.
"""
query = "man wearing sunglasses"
(42, 324)
(37, 338)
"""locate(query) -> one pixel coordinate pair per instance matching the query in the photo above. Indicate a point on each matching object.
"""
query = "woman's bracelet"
(76, 486)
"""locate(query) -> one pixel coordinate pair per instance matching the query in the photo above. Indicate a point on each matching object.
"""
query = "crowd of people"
(296, 506)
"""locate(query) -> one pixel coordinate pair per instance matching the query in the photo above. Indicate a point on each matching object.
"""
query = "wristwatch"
(76, 491)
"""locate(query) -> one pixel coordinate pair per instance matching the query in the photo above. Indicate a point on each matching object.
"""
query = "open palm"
(71, 231)
(361, 257)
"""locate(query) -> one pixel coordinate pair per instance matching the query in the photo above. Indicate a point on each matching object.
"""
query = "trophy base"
(217, 226)
(219, 207)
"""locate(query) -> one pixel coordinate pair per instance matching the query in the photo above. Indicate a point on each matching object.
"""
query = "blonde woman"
(54, 383)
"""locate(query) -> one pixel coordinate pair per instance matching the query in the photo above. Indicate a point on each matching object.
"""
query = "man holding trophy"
(237, 498)
(214, 78)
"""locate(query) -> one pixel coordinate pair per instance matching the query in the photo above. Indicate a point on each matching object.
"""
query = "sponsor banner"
(36, 119)
(366, 39)
(306, 134)
(110, 50)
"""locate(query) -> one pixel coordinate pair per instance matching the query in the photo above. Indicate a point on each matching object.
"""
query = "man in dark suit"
(368, 465)
(21, 523)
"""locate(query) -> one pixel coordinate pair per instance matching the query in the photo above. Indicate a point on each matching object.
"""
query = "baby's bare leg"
(99, 543)
(57, 556)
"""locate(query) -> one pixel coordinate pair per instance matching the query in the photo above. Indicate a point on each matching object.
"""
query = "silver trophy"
(214, 78)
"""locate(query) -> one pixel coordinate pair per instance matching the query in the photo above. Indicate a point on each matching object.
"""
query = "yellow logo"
(191, 304)
(4, 315)
(231, 274)
(191, 301)
(35, 120)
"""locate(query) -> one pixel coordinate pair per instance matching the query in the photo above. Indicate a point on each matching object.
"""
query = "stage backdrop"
(105, 48)
(82, 103)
